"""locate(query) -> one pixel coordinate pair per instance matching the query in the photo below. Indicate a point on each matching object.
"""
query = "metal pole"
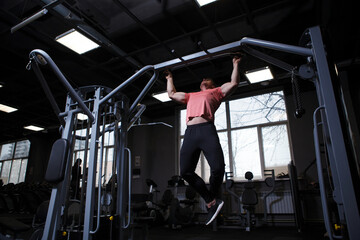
(29, 20)
(128, 81)
(321, 176)
(335, 139)
(90, 187)
(58, 192)
(35, 55)
(121, 170)
(99, 178)
(224, 50)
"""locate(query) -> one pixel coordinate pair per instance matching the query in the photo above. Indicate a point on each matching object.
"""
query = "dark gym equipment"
(296, 197)
(19, 206)
(112, 110)
(176, 211)
(327, 118)
(182, 211)
(270, 182)
(106, 102)
(247, 200)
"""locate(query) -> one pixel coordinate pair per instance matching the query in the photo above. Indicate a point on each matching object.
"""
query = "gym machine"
(341, 162)
(270, 182)
(103, 107)
(247, 200)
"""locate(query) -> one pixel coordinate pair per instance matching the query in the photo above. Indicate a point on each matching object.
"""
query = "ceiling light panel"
(204, 2)
(34, 128)
(259, 75)
(76, 41)
(163, 96)
(7, 109)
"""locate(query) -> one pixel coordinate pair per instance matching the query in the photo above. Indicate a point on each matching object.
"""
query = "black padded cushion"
(41, 212)
(249, 175)
(249, 197)
(249, 185)
(167, 197)
(269, 181)
(229, 183)
(150, 182)
(57, 162)
(190, 193)
(13, 224)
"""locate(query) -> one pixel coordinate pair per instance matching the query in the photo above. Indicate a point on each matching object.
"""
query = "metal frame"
(344, 191)
(224, 50)
(342, 176)
(95, 108)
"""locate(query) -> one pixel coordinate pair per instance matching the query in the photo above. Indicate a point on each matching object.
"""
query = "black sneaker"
(214, 210)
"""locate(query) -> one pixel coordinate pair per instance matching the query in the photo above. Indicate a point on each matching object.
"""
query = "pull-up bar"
(225, 50)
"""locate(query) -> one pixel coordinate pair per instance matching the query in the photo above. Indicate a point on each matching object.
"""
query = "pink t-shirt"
(203, 103)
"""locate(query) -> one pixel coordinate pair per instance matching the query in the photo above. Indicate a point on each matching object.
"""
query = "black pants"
(202, 137)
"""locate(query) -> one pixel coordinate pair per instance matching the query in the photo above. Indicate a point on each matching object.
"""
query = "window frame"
(229, 130)
(23, 160)
(79, 152)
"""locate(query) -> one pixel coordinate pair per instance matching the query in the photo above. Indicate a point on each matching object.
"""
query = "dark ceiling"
(137, 33)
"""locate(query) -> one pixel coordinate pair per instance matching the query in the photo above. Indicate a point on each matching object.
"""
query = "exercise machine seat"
(249, 199)
(190, 195)
(229, 183)
(40, 215)
(150, 182)
(249, 196)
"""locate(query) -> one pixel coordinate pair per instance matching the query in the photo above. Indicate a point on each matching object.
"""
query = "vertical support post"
(58, 193)
(334, 137)
(323, 193)
(121, 141)
(295, 196)
(90, 187)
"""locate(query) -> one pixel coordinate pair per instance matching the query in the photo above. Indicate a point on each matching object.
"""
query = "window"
(13, 161)
(253, 135)
(108, 154)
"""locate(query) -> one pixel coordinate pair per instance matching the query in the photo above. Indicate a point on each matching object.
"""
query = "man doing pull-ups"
(201, 135)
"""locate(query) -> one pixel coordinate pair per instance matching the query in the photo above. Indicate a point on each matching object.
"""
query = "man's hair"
(211, 78)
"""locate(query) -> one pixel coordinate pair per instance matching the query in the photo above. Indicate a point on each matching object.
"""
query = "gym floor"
(202, 232)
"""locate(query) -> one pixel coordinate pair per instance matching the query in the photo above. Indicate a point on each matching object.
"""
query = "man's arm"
(176, 96)
(229, 87)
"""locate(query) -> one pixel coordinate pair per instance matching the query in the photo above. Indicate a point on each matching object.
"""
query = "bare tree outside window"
(256, 110)
(266, 114)
(276, 148)
(257, 135)
(246, 153)
(220, 117)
